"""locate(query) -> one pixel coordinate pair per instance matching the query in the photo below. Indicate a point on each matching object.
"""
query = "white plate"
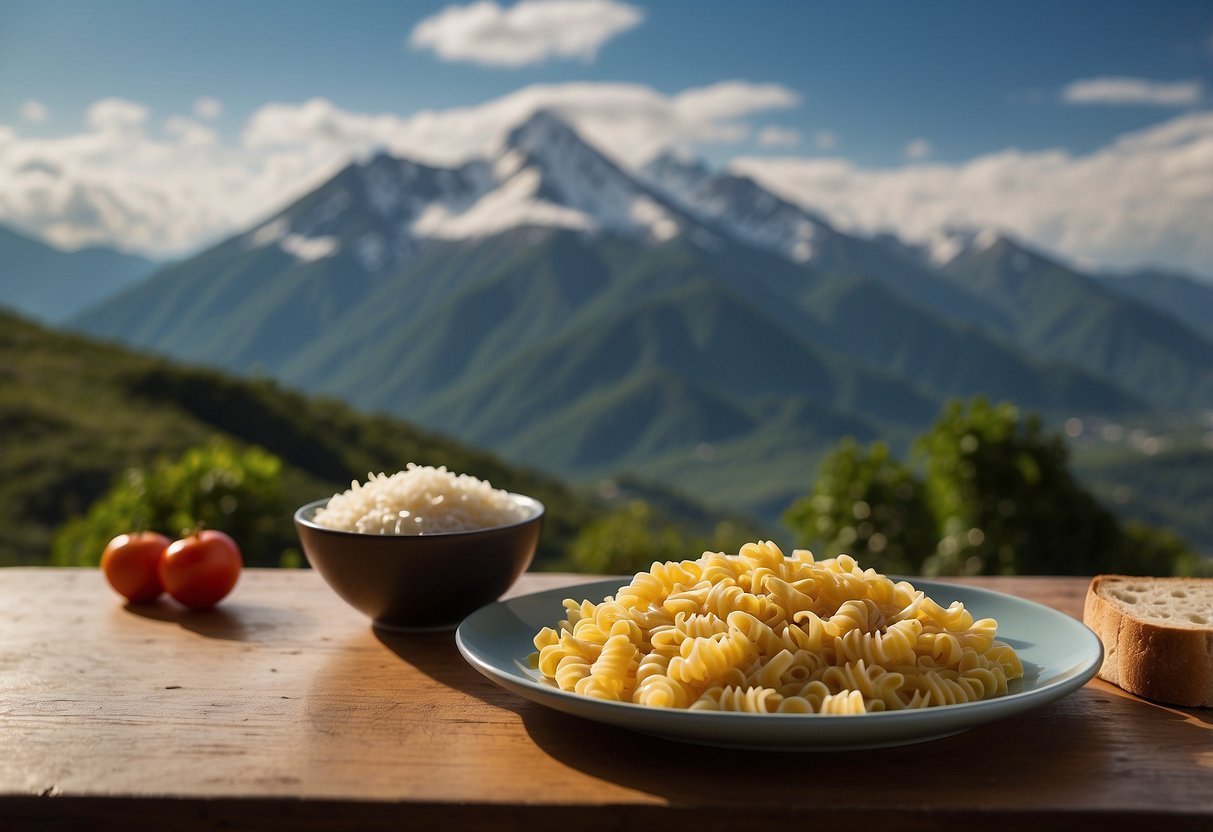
(1059, 656)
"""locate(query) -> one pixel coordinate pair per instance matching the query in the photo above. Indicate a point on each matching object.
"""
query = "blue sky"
(874, 92)
(875, 74)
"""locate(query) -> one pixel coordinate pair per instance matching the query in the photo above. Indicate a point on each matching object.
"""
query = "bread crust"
(1156, 661)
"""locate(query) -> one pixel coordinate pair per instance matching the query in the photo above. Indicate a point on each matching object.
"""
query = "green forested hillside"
(867, 320)
(76, 413)
(1171, 488)
(1187, 298)
(1065, 316)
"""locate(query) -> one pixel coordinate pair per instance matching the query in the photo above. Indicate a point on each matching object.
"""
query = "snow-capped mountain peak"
(545, 175)
(577, 177)
(384, 209)
(544, 132)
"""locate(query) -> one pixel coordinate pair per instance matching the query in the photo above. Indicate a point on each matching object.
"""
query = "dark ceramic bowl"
(420, 582)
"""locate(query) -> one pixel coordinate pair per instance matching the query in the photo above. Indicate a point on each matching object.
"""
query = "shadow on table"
(1196, 717)
(235, 621)
(436, 656)
(395, 690)
(1076, 750)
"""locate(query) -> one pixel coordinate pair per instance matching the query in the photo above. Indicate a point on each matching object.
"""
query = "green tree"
(222, 486)
(867, 504)
(1006, 502)
(633, 537)
(998, 498)
(1146, 550)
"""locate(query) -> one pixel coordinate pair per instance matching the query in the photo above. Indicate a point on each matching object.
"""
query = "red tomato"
(200, 569)
(131, 564)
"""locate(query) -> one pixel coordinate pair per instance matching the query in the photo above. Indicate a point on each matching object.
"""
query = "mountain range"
(54, 285)
(678, 323)
(1180, 295)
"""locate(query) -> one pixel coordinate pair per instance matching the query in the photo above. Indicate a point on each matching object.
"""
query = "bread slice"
(1157, 636)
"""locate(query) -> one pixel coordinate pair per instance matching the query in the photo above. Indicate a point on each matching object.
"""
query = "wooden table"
(283, 709)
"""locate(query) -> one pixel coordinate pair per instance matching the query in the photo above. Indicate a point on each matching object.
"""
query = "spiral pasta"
(759, 632)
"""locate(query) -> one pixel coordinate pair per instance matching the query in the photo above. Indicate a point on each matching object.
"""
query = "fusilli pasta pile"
(762, 633)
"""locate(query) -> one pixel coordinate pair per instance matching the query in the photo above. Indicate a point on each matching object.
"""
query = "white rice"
(420, 500)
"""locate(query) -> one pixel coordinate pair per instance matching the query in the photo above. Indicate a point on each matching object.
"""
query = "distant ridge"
(1182, 296)
(53, 285)
(1063, 315)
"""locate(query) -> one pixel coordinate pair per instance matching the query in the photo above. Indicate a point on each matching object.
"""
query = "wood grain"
(284, 709)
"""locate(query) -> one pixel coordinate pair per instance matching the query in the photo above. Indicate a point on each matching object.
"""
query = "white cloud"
(189, 132)
(530, 32)
(34, 112)
(728, 99)
(773, 136)
(917, 149)
(630, 122)
(171, 191)
(207, 108)
(1129, 91)
(1146, 196)
(116, 116)
(825, 140)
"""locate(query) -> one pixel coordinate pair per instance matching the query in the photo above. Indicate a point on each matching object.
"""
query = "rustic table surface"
(284, 709)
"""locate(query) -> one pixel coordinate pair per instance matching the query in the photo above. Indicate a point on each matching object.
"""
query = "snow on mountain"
(949, 243)
(372, 208)
(680, 175)
(400, 189)
(514, 203)
(544, 175)
(383, 211)
(278, 232)
(738, 205)
(572, 174)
